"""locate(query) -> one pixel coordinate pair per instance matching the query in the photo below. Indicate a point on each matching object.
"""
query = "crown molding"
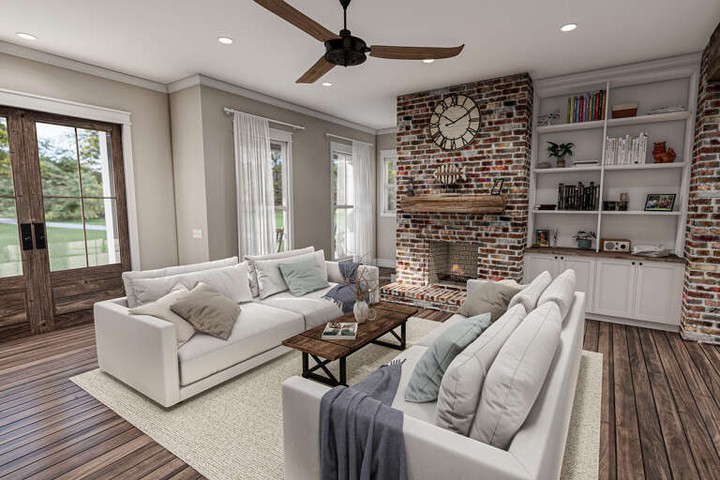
(78, 66)
(385, 131)
(261, 97)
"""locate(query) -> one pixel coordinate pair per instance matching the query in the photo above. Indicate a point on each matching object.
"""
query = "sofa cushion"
(208, 310)
(428, 339)
(424, 384)
(251, 259)
(130, 277)
(516, 377)
(425, 411)
(561, 291)
(314, 309)
(461, 385)
(303, 275)
(529, 295)
(489, 297)
(258, 328)
(269, 277)
(160, 308)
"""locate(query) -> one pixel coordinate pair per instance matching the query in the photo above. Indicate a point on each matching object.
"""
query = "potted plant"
(584, 239)
(560, 151)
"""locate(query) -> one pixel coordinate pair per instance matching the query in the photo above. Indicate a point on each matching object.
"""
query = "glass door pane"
(10, 255)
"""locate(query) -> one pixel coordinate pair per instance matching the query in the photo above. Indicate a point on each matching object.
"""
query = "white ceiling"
(167, 40)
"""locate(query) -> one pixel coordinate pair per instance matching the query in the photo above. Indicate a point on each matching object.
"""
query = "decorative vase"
(584, 243)
(361, 310)
(561, 162)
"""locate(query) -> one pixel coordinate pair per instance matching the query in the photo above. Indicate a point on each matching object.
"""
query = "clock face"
(455, 122)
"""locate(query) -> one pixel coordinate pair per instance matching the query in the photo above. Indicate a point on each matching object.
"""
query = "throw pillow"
(161, 309)
(529, 295)
(489, 297)
(208, 310)
(516, 377)
(251, 259)
(461, 385)
(270, 280)
(425, 380)
(303, 276)
(561, 291)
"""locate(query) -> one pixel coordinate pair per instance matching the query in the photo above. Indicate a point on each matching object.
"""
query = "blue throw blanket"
(361, 435)
(344, 294)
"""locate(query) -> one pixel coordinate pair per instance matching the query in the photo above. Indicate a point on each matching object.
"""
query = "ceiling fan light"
(225, 40)
(26, 36)
(429, 60)
(327, 84)
(568, 27)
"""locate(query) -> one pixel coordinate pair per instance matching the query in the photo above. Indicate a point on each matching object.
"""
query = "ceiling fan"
(345, 49)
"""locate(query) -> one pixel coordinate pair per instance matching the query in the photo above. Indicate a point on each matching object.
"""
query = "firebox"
(452, 264)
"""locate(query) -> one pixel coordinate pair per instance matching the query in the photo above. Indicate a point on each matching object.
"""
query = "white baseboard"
(385, 262)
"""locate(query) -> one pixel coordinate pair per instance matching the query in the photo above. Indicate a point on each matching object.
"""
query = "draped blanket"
(344, 294)
(361, 435)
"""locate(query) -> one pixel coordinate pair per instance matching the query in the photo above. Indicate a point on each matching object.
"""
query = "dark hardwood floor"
(660, 416)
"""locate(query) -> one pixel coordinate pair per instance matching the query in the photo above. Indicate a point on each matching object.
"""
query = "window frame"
(343, 149)
(387, 156)
(285, 139)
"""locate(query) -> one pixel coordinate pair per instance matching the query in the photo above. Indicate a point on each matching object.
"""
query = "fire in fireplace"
(452, 264)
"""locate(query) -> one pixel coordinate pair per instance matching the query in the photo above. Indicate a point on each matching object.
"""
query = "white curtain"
(253, 176)
(364, 185)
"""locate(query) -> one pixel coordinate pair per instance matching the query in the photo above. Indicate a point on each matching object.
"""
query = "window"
(280, 152)
(389, 183)
(343, 199)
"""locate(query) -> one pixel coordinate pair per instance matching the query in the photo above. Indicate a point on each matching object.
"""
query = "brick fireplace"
(501, 150)
(452, 264)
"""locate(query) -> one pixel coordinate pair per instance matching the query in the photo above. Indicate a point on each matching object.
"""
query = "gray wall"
(385, 225)
(151, 142)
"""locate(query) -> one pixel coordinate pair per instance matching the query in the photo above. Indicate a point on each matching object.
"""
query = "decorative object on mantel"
(662, 154)
(614, 245)
(497, 186)
(411, 188)
(660, 202)
(560, 151)
(624, 110)
(448, 175)
(547, 119)
(542, 237)
(584, 239)
(453, 204)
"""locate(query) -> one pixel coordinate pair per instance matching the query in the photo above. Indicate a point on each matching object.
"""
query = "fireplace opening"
(452, 264)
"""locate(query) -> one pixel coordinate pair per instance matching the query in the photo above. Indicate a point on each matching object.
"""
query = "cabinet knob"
(562, 258)
(633, 263)
(641, 263)
(555, 257)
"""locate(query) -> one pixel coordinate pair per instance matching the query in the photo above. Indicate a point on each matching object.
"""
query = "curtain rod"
(348, 139)
(230, 111)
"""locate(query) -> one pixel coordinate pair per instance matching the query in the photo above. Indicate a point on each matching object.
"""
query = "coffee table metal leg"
(402, 338)
(343, 375)
(304, 364)
(321, 364)
(403, 335)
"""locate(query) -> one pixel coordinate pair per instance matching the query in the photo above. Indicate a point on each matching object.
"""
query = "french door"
(63, 220)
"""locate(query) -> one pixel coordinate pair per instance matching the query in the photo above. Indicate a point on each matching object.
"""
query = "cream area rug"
(234, 431)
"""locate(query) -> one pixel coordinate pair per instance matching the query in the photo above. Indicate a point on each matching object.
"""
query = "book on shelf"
(578, 197)
(340, 331)
(587, 107)
(626, 150)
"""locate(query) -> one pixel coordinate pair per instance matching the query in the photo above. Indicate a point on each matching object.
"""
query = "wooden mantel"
(452, 203)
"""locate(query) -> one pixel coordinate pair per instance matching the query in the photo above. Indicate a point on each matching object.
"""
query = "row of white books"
(626, 150)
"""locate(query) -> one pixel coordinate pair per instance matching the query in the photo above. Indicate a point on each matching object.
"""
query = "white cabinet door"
(536, 263)
(658, 295)
(614, 287)
(584, 276)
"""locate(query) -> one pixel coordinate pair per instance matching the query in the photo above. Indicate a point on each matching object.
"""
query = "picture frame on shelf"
(497, 187)
(542, 237)
(660, 202)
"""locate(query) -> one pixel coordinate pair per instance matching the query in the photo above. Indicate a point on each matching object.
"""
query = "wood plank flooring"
(660, 415)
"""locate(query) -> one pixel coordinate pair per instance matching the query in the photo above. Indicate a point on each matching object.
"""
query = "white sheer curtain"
(364, 184)
(253, 176)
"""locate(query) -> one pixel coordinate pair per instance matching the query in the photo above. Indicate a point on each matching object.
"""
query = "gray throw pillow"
(303, 276)
(426, 378)
(161, 309)
(208, 310)
(490, 297)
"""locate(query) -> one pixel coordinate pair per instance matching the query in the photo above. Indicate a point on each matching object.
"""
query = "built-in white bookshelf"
(652, 84)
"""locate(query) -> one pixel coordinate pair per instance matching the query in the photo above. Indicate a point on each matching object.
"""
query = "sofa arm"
(138, 350)
(432, 452)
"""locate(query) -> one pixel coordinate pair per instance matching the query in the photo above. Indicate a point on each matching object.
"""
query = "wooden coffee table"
(388, 317)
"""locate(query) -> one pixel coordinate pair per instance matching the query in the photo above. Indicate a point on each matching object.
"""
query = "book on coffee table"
(340, 331)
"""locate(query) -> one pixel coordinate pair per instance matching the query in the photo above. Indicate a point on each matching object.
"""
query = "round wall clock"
(455, 122)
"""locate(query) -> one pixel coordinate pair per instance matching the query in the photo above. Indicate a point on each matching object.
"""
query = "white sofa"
(142, 352)
(536, 451)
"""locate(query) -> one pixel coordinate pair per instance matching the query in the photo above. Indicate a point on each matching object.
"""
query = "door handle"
(40, 238)
(26, 236)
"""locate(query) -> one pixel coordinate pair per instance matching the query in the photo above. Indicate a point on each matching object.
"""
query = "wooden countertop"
(592, 253)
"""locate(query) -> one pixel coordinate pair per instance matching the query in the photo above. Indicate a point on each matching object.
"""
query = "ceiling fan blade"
(414, 53)
(297, 18)
(320, 68)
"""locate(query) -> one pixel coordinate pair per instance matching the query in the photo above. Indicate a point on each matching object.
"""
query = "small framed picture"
(497, 186)
(660, 202)
(542, 238)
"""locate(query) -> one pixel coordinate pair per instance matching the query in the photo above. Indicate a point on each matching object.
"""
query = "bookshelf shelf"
(646, 166)
(567, 212)
(648, 119)
(568, 127)
(641, 212)
(594, 168)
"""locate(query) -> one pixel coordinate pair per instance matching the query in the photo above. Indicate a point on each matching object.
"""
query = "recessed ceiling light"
(568, 27)
(225, 40)
(26, 36)
(327, 84)
(429, 60)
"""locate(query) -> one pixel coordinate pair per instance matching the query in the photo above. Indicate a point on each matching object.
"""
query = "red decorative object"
(662, 154)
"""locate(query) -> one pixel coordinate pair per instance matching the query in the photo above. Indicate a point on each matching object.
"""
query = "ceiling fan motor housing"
(346, 51)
